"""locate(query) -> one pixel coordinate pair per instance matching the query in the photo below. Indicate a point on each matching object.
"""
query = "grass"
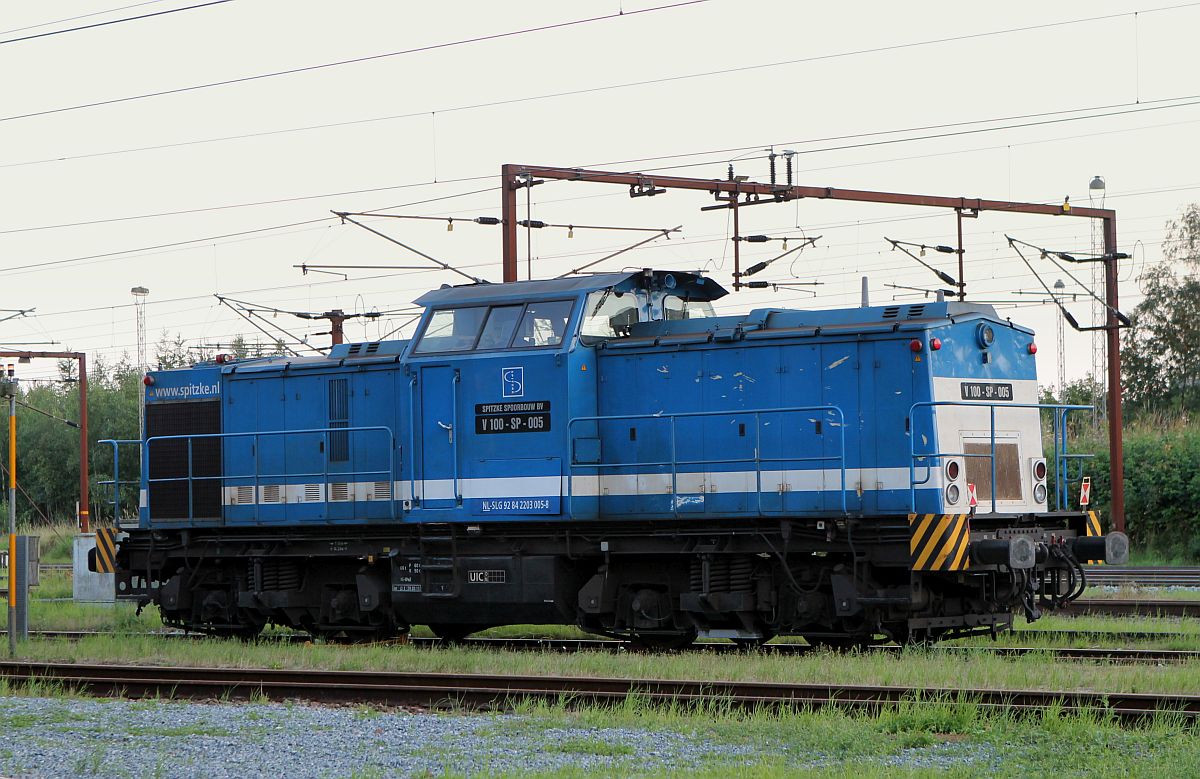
(915, 667)
(923, 738)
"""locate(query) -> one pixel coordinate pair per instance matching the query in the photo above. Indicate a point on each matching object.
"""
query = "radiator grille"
(169, 460)
(1008, 471)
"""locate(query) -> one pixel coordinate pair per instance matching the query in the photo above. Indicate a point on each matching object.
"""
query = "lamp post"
(1059, 286)
(1096, 188)
(139, 303)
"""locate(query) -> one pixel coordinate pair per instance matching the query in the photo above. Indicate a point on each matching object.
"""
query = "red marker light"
(1033, 348)
(221, 359)
(148, 380)
(915, 344)
(935, 344)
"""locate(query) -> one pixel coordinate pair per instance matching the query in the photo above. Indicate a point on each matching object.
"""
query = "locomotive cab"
(497, 373)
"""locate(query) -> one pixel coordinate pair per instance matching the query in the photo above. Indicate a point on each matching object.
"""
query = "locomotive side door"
(893, 383)
(439, 431)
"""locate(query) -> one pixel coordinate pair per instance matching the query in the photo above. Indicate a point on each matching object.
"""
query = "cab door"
(439, 428)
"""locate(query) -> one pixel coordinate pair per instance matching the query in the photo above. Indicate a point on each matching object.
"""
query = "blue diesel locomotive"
(604, 451)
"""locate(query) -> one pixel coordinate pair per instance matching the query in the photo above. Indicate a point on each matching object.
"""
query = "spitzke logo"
(513, 382)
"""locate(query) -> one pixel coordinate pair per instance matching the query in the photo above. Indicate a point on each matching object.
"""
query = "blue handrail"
(1058, 429)
(116, 481)
(757, 459)
(257, 476)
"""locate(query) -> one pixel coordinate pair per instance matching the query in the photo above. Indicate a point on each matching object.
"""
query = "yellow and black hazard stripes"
(106, 549)
(1093, 524)
(938, 542)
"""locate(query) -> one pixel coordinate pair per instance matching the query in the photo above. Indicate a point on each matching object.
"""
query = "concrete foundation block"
(90, 587)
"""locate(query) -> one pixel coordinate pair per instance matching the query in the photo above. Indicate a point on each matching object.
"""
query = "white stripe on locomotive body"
(616, 485)
(957, 425)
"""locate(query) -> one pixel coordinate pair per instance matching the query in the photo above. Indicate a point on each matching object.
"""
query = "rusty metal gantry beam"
(84, 497)
(515, 177)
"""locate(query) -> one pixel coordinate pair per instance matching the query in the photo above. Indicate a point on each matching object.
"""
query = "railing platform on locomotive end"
(674, 463)
(1062, 458)
(257, 478)
(117, 482)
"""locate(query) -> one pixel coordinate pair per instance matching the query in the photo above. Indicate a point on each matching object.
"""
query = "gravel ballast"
(56, 737)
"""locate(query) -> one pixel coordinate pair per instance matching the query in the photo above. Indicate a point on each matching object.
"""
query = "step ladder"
(438, 546)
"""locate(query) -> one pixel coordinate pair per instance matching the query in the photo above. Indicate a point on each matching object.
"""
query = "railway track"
(489, 691)
(1124, 655)
(1128, 607)
(1143, 575)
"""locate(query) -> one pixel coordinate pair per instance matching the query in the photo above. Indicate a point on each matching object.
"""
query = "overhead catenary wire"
(1016, 245)
(445, 266)
(113, 21)
(351, 61)
(662, 234)
(1192, 101)
(668, 79)
(80, 16)
(249, 317)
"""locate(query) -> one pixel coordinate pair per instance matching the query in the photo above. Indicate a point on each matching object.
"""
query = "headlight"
(953, 493)
(1039, 493)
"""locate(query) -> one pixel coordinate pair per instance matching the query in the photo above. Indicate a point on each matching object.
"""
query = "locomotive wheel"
(663, 641)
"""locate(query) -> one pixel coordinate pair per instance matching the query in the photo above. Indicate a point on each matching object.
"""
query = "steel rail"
(1143, 576)
(490, 691)
(1124, 607)
(1123, 655)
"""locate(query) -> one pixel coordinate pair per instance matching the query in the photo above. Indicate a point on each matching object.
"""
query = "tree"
(1161, 354)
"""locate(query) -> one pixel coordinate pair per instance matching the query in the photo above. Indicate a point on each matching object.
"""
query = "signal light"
(1033, 348)
(935, 344)
(915, 344)
(221, 359)
(953, 469)
(1039, 470)
(953, 493)
(148, 380)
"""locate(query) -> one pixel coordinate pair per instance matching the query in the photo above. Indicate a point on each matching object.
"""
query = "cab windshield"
(610, 313)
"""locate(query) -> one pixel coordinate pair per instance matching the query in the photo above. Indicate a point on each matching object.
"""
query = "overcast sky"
(414, 133)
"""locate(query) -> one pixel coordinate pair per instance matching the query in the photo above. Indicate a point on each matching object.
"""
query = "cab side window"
(498, 330)
(544, 324)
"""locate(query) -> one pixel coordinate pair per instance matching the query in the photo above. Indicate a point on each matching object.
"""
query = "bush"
(1162, 483)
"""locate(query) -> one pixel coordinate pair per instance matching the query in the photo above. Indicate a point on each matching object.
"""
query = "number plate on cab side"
(986, 390)
(530, 416)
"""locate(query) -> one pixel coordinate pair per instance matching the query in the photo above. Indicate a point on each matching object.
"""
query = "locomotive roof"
(690, 285)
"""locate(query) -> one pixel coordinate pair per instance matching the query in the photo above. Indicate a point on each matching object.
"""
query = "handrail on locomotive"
(757, 459)
(1062, 457)
(116, 481)
(257, 476)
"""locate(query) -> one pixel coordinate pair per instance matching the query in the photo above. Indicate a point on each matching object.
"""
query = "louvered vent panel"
(312, 493)
(382, 490)
(272, 493)
(891, 312)
(339, 491)
(916, 311)
(245, 496)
